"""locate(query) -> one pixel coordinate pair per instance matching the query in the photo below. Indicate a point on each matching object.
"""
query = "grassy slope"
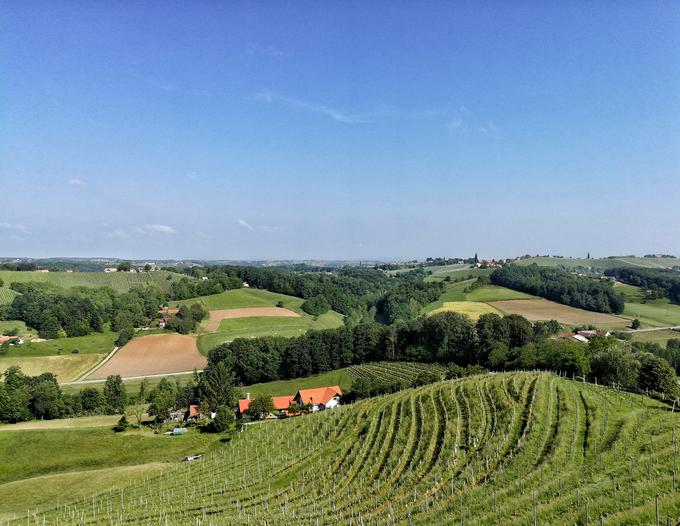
(530, 442)
(455, 292)
(456, 272)
(661, 337)
(653, 313)
(341, 377)
(87, 460)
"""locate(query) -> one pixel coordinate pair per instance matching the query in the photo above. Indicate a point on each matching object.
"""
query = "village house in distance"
(317, 399)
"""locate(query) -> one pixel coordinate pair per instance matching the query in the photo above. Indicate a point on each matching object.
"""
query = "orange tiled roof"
(194, 410)
(282, 402)
(244, 404)
(320, 395)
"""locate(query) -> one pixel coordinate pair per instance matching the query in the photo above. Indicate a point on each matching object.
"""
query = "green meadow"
(266, 326)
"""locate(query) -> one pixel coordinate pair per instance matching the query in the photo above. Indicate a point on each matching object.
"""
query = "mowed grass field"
(661, 336)
(65, 367)
(542, 309)
(456, 272)
(240, 298)
(472, 309)
(455, 292)
(651, 313)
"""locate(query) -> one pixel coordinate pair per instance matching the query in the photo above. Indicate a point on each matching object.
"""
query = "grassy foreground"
(493, 449)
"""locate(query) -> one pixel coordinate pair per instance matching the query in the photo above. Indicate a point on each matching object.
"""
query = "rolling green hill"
(493, 449)
(599, 264)
(119, 281)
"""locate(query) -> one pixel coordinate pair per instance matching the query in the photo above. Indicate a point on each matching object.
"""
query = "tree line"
(662, 282)
(78, 311)
(493, 342)
(24, 397)
(560, 286)
(357, 292)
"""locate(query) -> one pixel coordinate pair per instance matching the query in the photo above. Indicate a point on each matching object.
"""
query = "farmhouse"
(319, 398)
(111, 269)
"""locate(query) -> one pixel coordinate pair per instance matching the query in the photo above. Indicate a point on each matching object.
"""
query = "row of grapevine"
(510, 449)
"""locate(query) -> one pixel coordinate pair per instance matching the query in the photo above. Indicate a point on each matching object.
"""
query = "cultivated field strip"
(394, 371)
(505, 449)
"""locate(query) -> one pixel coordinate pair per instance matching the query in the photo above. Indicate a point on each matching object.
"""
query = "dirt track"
(156, 354)
(216, 316)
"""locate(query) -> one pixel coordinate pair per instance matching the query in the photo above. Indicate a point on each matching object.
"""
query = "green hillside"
(119, 281)
(493, 449)
(599, 264)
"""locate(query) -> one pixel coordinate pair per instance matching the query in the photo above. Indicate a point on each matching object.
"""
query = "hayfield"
(66, 368)
(155, 354)
(473, 309)
(95, 343)
(492, 449)
(119, 281)
(661, 336)
(541, 309)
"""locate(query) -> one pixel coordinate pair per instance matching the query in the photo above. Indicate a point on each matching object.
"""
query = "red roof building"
(319, 397)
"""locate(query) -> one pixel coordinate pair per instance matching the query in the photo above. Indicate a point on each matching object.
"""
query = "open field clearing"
(661, 336)
(473, 309)
(66, 368)
(285, 326)
(156, 354)
(95, 343)
(492, 449)
(657, 313)
(216, 316)
(64, 423)
(8, 325)
(630, 293)
(120, 281)
(541, 309)
(495, 293)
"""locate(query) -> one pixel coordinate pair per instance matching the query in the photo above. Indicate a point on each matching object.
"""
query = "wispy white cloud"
(340, 115)
(76, 182)
(253, 48)
(15, 227)
(159, 229)
(321, 109)
(244, 224)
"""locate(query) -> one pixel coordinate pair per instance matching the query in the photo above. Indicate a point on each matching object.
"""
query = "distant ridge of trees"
(560, 286)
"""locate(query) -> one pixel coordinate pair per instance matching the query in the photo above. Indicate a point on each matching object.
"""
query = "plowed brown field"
(156, 354)
(535, 310)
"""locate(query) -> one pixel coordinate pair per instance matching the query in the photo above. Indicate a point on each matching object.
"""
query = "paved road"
(82, 382)
(633, 331)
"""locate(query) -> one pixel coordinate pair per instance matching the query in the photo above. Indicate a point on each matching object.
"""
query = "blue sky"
(340, 130)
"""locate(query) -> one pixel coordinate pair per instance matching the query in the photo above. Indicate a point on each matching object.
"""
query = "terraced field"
(511, 449)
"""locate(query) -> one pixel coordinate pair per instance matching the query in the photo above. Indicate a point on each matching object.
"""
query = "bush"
(122, 425)
(125, 335)
(316, 306)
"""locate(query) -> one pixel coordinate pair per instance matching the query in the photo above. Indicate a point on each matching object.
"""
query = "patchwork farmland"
(540, 309)
(495, 449)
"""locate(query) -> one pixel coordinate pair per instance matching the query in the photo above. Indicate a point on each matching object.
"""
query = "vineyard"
(119, 281)
(394, 371)
(511, 449)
